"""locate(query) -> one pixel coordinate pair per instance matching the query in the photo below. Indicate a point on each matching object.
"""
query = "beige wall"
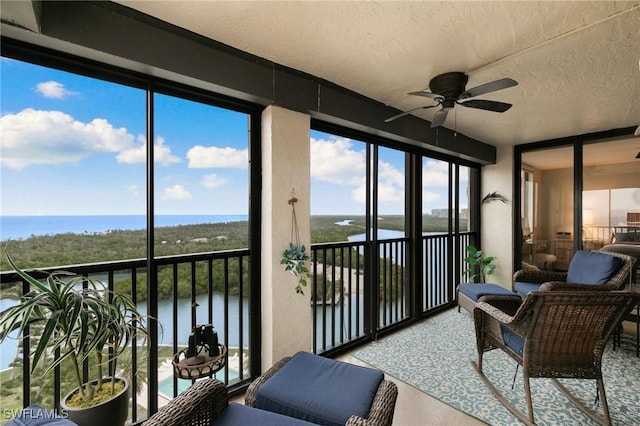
(286, 317)
(497, 221)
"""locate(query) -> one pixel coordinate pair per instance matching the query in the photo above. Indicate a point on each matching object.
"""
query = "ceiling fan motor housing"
(449, 85)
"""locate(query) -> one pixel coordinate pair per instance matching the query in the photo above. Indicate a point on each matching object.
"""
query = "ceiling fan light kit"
(449, 89)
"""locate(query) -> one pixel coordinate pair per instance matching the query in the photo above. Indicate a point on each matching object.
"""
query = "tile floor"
(415, 408)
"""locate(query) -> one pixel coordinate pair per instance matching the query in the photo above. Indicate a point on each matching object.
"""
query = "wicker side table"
(183, 368)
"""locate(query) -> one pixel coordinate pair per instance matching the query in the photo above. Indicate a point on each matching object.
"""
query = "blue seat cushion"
(513, 340)
(35, 415)
(476, 291)
(320, 390)
(525, 288)
(241, 415)
(592, 267)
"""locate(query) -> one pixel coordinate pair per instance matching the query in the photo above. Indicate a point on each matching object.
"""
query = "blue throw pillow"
(592, 267)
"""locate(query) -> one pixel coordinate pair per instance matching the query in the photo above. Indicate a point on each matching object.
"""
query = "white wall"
(286, 317)
(497, 220)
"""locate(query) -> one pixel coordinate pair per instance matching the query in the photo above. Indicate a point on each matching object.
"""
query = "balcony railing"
(355, 294)
(341, 286)
(206, 288)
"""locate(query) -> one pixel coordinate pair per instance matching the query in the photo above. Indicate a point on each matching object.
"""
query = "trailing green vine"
(295, 256)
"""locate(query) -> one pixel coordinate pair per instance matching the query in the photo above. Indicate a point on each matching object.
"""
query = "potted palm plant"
(84, 321)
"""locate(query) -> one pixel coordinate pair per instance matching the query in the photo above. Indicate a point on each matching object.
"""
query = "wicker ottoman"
(324, 391)
(469, 293)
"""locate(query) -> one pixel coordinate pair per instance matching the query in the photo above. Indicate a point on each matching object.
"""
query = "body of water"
(22, 227)
(42, 225)
(9, 348)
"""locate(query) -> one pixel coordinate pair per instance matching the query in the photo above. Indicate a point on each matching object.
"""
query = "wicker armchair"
(553, 333)
(526, 280)
(382, 407)
(197, 406)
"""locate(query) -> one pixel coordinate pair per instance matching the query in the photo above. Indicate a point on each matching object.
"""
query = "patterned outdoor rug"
(435, 357)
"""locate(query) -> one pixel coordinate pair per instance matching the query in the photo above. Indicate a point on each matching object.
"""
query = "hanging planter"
(295, 256)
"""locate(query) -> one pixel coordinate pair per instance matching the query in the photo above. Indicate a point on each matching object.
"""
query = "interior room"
(319, 177)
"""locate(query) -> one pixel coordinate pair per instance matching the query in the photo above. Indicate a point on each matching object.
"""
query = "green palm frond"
(76, 315)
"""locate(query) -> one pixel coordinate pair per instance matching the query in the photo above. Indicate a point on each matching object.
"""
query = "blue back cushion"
(524, 288)
(592, 267)
(320, 390)
(513, 340)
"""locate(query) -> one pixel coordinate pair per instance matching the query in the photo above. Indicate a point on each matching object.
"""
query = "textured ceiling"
(577, 63)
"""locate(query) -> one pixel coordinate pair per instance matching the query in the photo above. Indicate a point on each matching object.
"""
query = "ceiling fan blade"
(439, 117)
(488, 87)
(487, 105)
(430, 95)
(637, 132)
(408, 112)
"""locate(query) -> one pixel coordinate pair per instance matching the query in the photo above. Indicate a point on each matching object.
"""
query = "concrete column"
(286, 315)
(497, 220)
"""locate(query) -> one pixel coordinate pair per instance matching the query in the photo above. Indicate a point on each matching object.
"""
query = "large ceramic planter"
(113, 412)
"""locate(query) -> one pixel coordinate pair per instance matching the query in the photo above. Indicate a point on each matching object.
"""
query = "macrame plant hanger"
(295, 256)
(295, 233)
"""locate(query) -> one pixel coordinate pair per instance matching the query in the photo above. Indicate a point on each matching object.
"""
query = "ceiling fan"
(449, 89)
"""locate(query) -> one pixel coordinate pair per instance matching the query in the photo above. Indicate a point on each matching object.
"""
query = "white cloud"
(213, 181)
(336, 161)
(161, 153)
(430, 196)
(53, 89)
(201, 157)
(133, 189)
(176, 192)
(53, 137)
(435, 173)
(389, 191)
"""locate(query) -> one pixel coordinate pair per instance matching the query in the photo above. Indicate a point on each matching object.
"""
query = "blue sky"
(73, 145)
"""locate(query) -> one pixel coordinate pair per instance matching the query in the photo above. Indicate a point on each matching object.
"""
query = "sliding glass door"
(546, 208)
(610, 195)
(585, 195)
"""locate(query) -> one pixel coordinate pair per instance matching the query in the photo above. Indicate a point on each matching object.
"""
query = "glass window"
(338, 187)
(611, 194)
(435, 196)
(546, 214)
(464, 189)
(201, 156)
(73, 188)
(72, 173)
